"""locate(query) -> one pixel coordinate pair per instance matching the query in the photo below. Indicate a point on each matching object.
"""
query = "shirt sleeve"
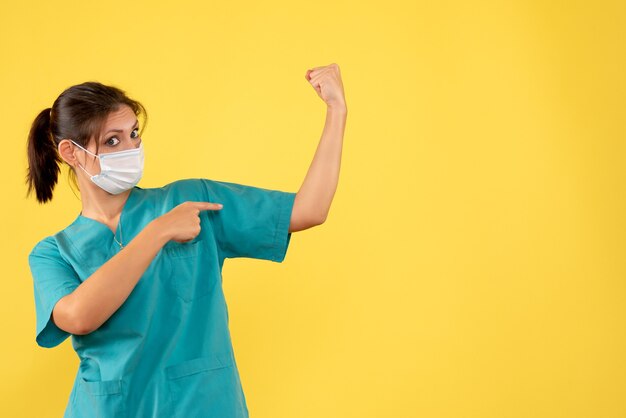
(254, 221)
(53, 278)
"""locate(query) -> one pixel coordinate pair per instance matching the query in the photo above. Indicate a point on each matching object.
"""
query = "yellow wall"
(473, 261)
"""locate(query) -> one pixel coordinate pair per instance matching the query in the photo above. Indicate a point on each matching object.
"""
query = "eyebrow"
(121, 130)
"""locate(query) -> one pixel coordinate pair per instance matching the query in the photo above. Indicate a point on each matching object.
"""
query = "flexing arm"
(313, 200)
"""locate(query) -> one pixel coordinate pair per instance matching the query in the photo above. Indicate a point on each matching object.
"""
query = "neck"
(99, 204)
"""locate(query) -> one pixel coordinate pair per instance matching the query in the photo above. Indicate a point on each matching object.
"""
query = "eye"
(108, 141)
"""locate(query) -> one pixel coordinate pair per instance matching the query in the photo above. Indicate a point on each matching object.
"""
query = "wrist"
(339, 108)
(157, 233)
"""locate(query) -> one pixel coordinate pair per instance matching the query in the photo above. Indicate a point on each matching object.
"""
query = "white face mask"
(119, 171)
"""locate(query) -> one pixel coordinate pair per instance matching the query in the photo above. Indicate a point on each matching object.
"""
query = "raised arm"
(315, 195)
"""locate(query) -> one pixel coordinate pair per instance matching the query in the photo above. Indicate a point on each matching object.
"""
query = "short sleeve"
(254, 221)
(53, 278)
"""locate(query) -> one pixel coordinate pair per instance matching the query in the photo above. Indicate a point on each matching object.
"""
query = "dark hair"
(79, 113)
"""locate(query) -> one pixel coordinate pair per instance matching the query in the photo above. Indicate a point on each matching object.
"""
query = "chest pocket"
(187, 273)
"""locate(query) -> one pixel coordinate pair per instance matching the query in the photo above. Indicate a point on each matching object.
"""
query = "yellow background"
(473, 261)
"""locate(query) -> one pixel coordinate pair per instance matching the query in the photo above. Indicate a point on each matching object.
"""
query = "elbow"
(314, 219)
(79, 324)
(64, 315)
(317, 216)
(305, 215)
(81, 328)
(318, 220)
(302, 223)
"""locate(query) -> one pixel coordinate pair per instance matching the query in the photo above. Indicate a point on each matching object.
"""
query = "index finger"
(207, 205)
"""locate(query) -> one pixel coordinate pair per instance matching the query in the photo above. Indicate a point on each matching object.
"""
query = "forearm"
(98, 297)
(320, 183)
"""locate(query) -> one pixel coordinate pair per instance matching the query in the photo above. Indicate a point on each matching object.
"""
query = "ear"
(66, 151)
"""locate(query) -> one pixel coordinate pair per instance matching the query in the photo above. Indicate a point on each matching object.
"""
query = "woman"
(136, 278)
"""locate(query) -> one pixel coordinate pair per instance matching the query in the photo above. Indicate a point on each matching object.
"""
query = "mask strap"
(91, 175)
(85, 170)
(85, 149)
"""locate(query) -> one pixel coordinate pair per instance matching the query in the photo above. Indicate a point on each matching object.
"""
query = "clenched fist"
(327, 83)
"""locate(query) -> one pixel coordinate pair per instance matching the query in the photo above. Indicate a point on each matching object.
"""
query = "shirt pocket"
(100, 399)
(206, 387)
(186, 274)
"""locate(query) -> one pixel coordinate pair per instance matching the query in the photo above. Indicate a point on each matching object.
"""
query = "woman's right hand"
(182, 223)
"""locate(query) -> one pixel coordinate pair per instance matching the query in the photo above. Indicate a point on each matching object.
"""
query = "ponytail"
(43, 158)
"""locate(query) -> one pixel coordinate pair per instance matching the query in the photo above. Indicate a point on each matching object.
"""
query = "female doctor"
(136, 278)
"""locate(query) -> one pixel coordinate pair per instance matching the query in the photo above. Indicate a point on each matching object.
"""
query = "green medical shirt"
(167, 351)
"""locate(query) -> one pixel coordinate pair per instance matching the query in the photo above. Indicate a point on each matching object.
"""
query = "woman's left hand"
(327, 83)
